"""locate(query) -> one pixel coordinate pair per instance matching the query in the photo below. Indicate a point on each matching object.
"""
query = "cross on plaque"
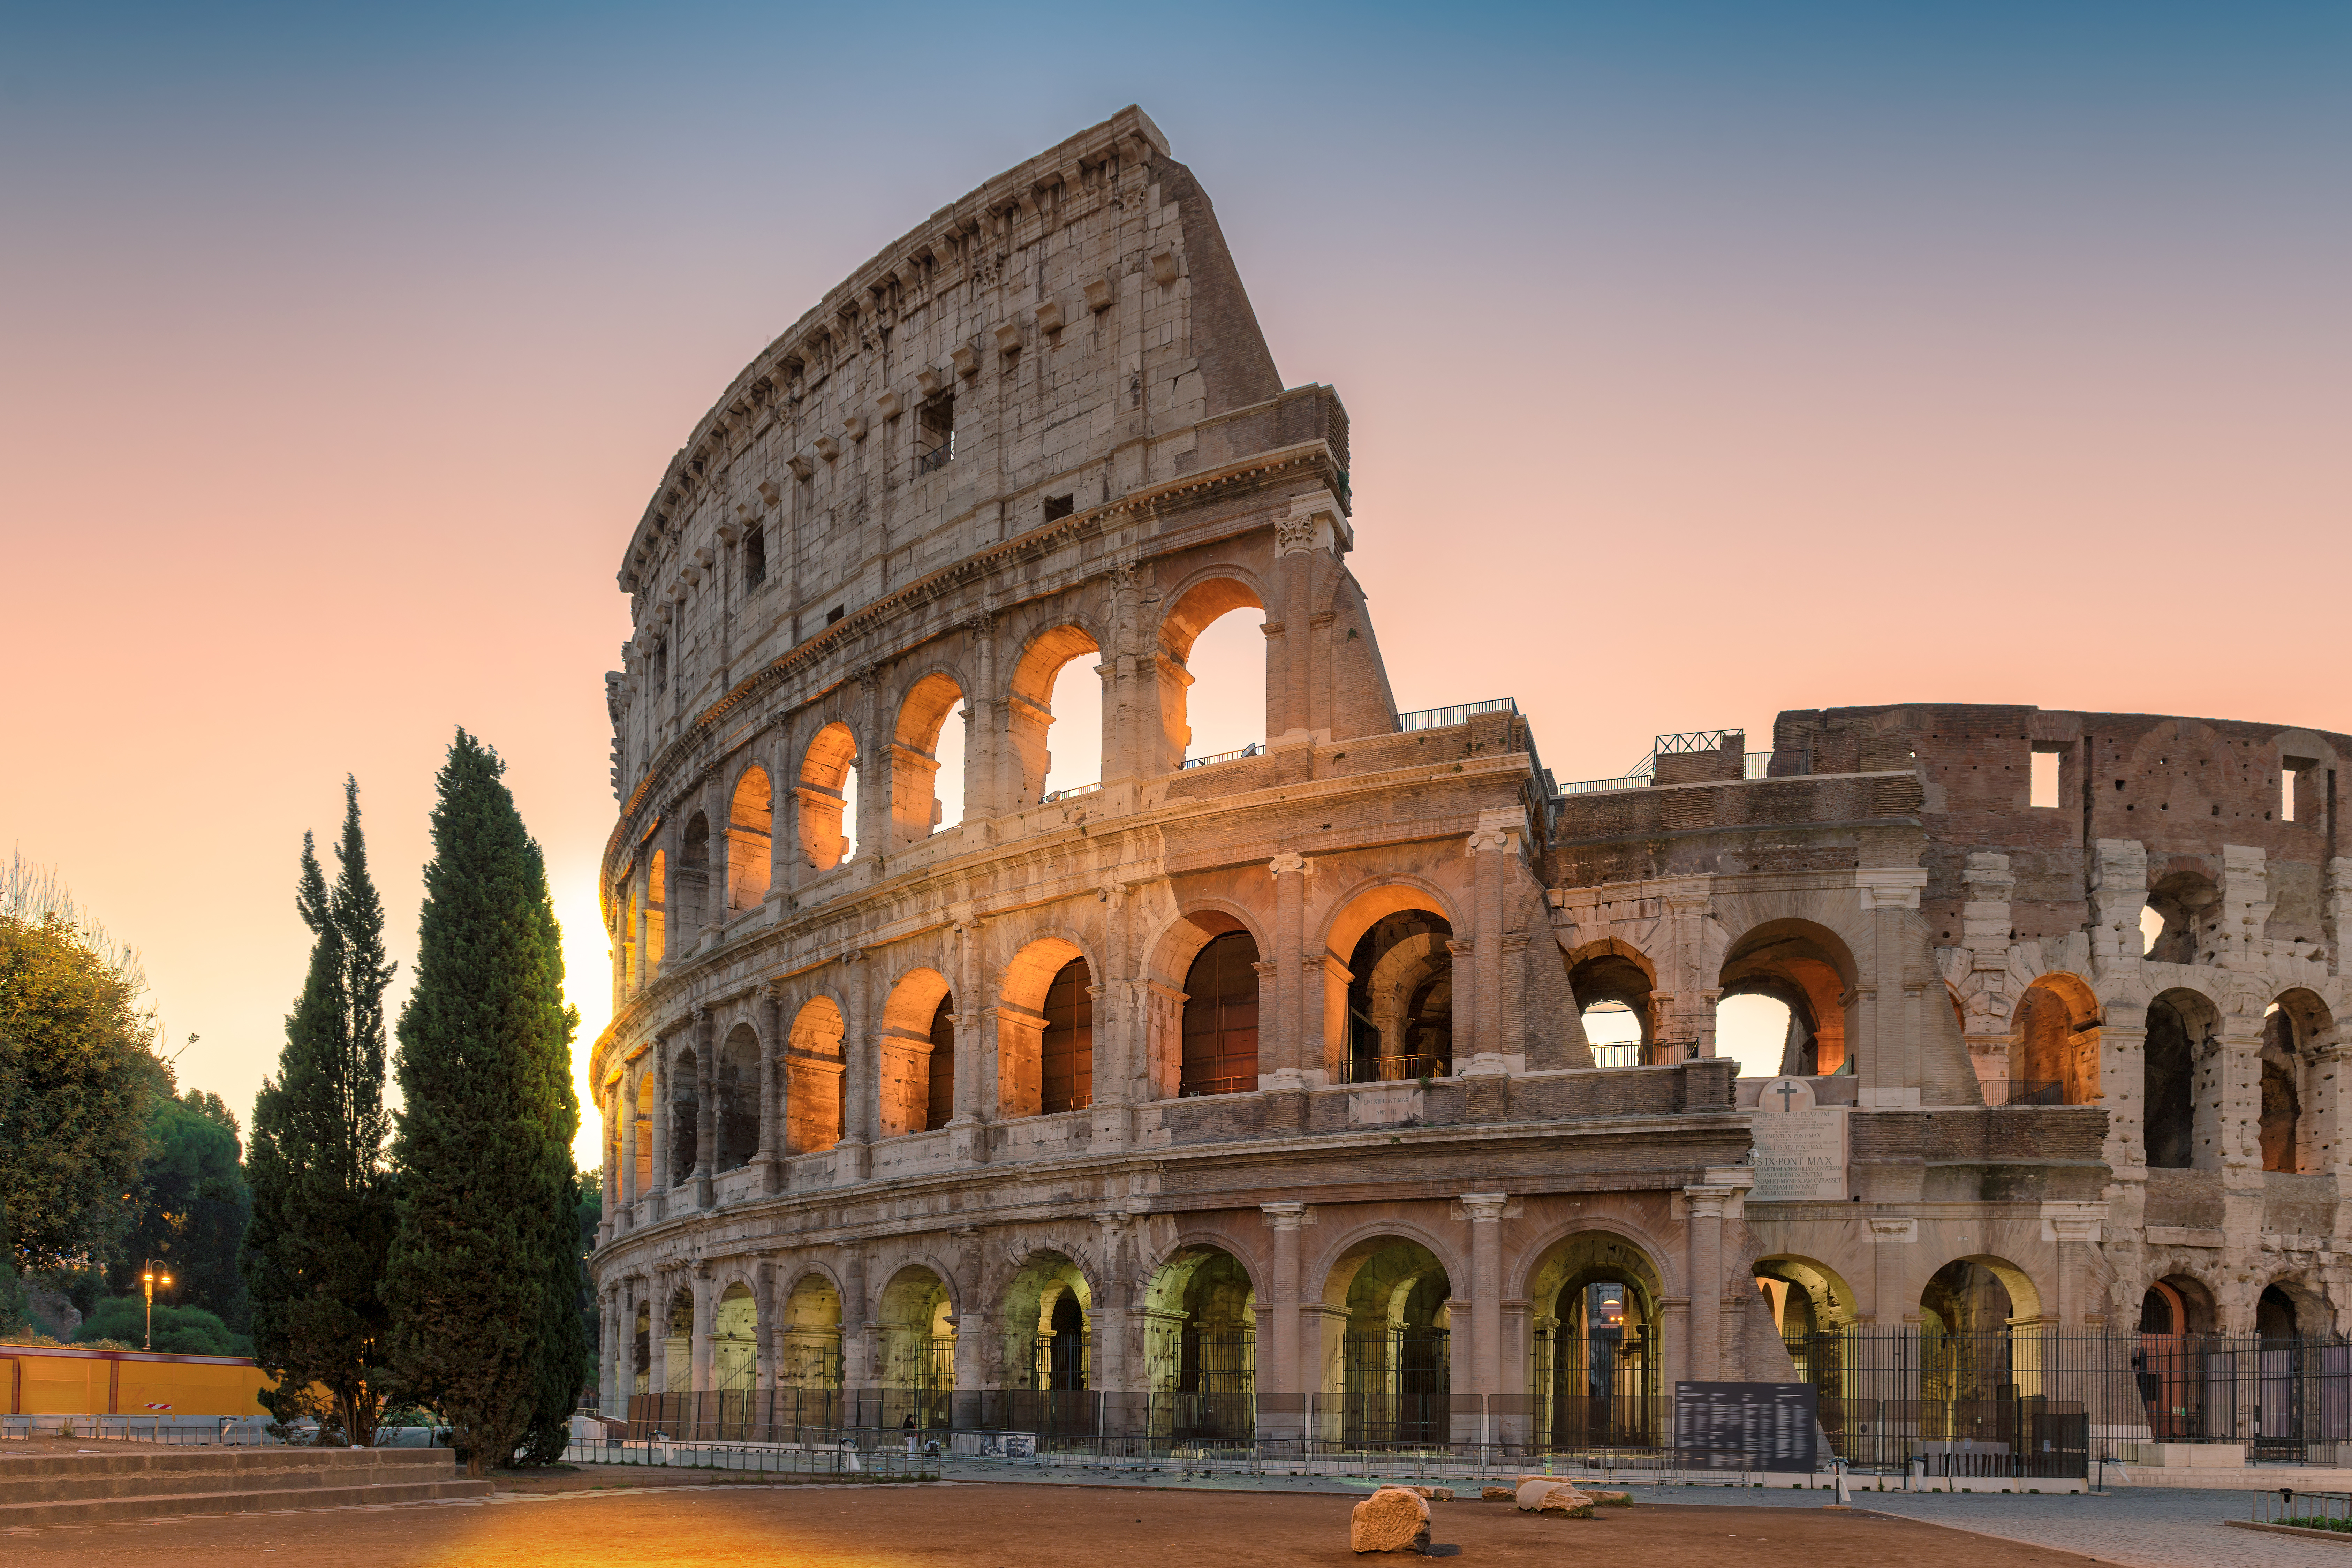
(1787, 1089)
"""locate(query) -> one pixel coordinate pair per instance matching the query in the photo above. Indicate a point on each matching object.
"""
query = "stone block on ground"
(1434, 1494)
(1499, 1494)
(1393, 1518)
(1612, 1500)
(1544, 1496)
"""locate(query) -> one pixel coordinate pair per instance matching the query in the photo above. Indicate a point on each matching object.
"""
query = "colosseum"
(1361, 1087)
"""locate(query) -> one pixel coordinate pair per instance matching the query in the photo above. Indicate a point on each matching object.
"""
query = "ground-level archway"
(1597, 1361)
(1387, 1352)
(1200, 1346)
(914, 1352)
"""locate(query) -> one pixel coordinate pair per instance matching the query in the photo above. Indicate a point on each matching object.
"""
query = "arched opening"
(1045, 1032)
(750, 820)
(813, 1068)
(1052, 684)
(657, 913)
(1761, 1033)
(641, 1350)
(1400, 1000)
(2293, 1394)
(808, 1337)
(2275, 1315)
(1809, 971)
(678, 1345)
(915, 1349)
(828, 822)
(735, 1094)
(1388, 1352)
(1814, 1309)
(938, 1080)
(1045, 1327)
(918, 773)
(2182, 1027)
(2169, 1365)
(625, 942)
(1612, 998)
(685, 1114)
(1220, 1032)
(2184, 906)
(1066, 1048)
(2056, 1057)
(910, 1045)
(1978, 1317)
(1201, 1345)
(2293, 1137)
(1596, 1371)
(735, 1341)
(1212, 671)
(690, 897)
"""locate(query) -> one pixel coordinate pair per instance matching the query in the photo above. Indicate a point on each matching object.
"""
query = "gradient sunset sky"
(1702, 361)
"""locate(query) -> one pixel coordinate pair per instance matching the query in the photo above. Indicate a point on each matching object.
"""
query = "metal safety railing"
(1398, 1069)
(172, 1431)
(2025, 1091)
(1075, 790)
(2303, 1510)
(1252, 749)
(1439, 718)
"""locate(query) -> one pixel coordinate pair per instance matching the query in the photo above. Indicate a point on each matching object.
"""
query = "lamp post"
(150, 1277)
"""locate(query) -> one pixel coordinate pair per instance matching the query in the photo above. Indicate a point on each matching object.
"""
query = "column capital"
(1485, 1208)
(1288, 865)
(1286, 1217)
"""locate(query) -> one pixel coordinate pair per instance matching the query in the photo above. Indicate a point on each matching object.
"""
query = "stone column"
(705, 1101)
(719, 812)
(657, 1335)
(608, 1187)
(768, 1159)
(857, 1333)
(1485, 1212)
(873, 765)
(1890, 1067)
(1490, 849)
(706, 1304)
(1706, 1243)
(629, 1194)
(784, 824)
(1291, 1030)
(1284, 1375)
(660, 1127)
(1110, 1314)
(764, 1304)
(971, 1322)
(966, 1129)
(861, 1103)
(608, 1364)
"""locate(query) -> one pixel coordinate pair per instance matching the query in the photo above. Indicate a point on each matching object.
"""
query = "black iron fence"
(2028, 1397)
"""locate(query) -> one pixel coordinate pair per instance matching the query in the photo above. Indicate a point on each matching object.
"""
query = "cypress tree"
(314, 1252)
(486, 1270)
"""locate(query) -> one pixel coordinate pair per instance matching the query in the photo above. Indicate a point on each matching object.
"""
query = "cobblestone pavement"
(2146, 1527)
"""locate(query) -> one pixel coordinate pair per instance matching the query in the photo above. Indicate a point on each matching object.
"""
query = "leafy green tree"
(183, 1330)
(314, 1253)
(75, 1064)
(196, 1207)
(485, 1271)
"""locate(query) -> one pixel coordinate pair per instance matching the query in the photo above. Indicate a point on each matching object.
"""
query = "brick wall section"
(2037, 1153)
(2187, 786)
(1762, 825)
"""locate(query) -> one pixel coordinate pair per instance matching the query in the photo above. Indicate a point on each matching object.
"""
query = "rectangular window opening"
(2292, 772)
(755, 558)
(832, 615)
(935, 433)
(2046, 778)
(1058, 507)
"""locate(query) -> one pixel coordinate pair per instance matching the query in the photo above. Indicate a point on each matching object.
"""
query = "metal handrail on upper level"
(1048, 798)
(1252, 749)
(1438, 718)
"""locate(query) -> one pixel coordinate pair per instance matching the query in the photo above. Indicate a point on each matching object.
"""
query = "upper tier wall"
(2185, 788)
(1049, 344)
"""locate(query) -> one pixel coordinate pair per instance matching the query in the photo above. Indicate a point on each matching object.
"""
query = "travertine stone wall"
(1044, 427)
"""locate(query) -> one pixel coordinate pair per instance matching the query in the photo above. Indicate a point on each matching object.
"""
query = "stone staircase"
(154, 1483)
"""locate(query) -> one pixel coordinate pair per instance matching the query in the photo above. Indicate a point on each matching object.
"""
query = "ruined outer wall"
(2182, 787)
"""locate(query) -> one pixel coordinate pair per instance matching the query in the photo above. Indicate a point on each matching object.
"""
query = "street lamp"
(150, 1276)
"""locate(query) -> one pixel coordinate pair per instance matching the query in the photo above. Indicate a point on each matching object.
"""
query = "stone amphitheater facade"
(1269, 1072)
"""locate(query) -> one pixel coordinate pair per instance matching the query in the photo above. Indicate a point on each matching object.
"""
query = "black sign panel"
(1747, 1425)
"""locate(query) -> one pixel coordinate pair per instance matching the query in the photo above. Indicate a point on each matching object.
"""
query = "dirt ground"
(978, 1525)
